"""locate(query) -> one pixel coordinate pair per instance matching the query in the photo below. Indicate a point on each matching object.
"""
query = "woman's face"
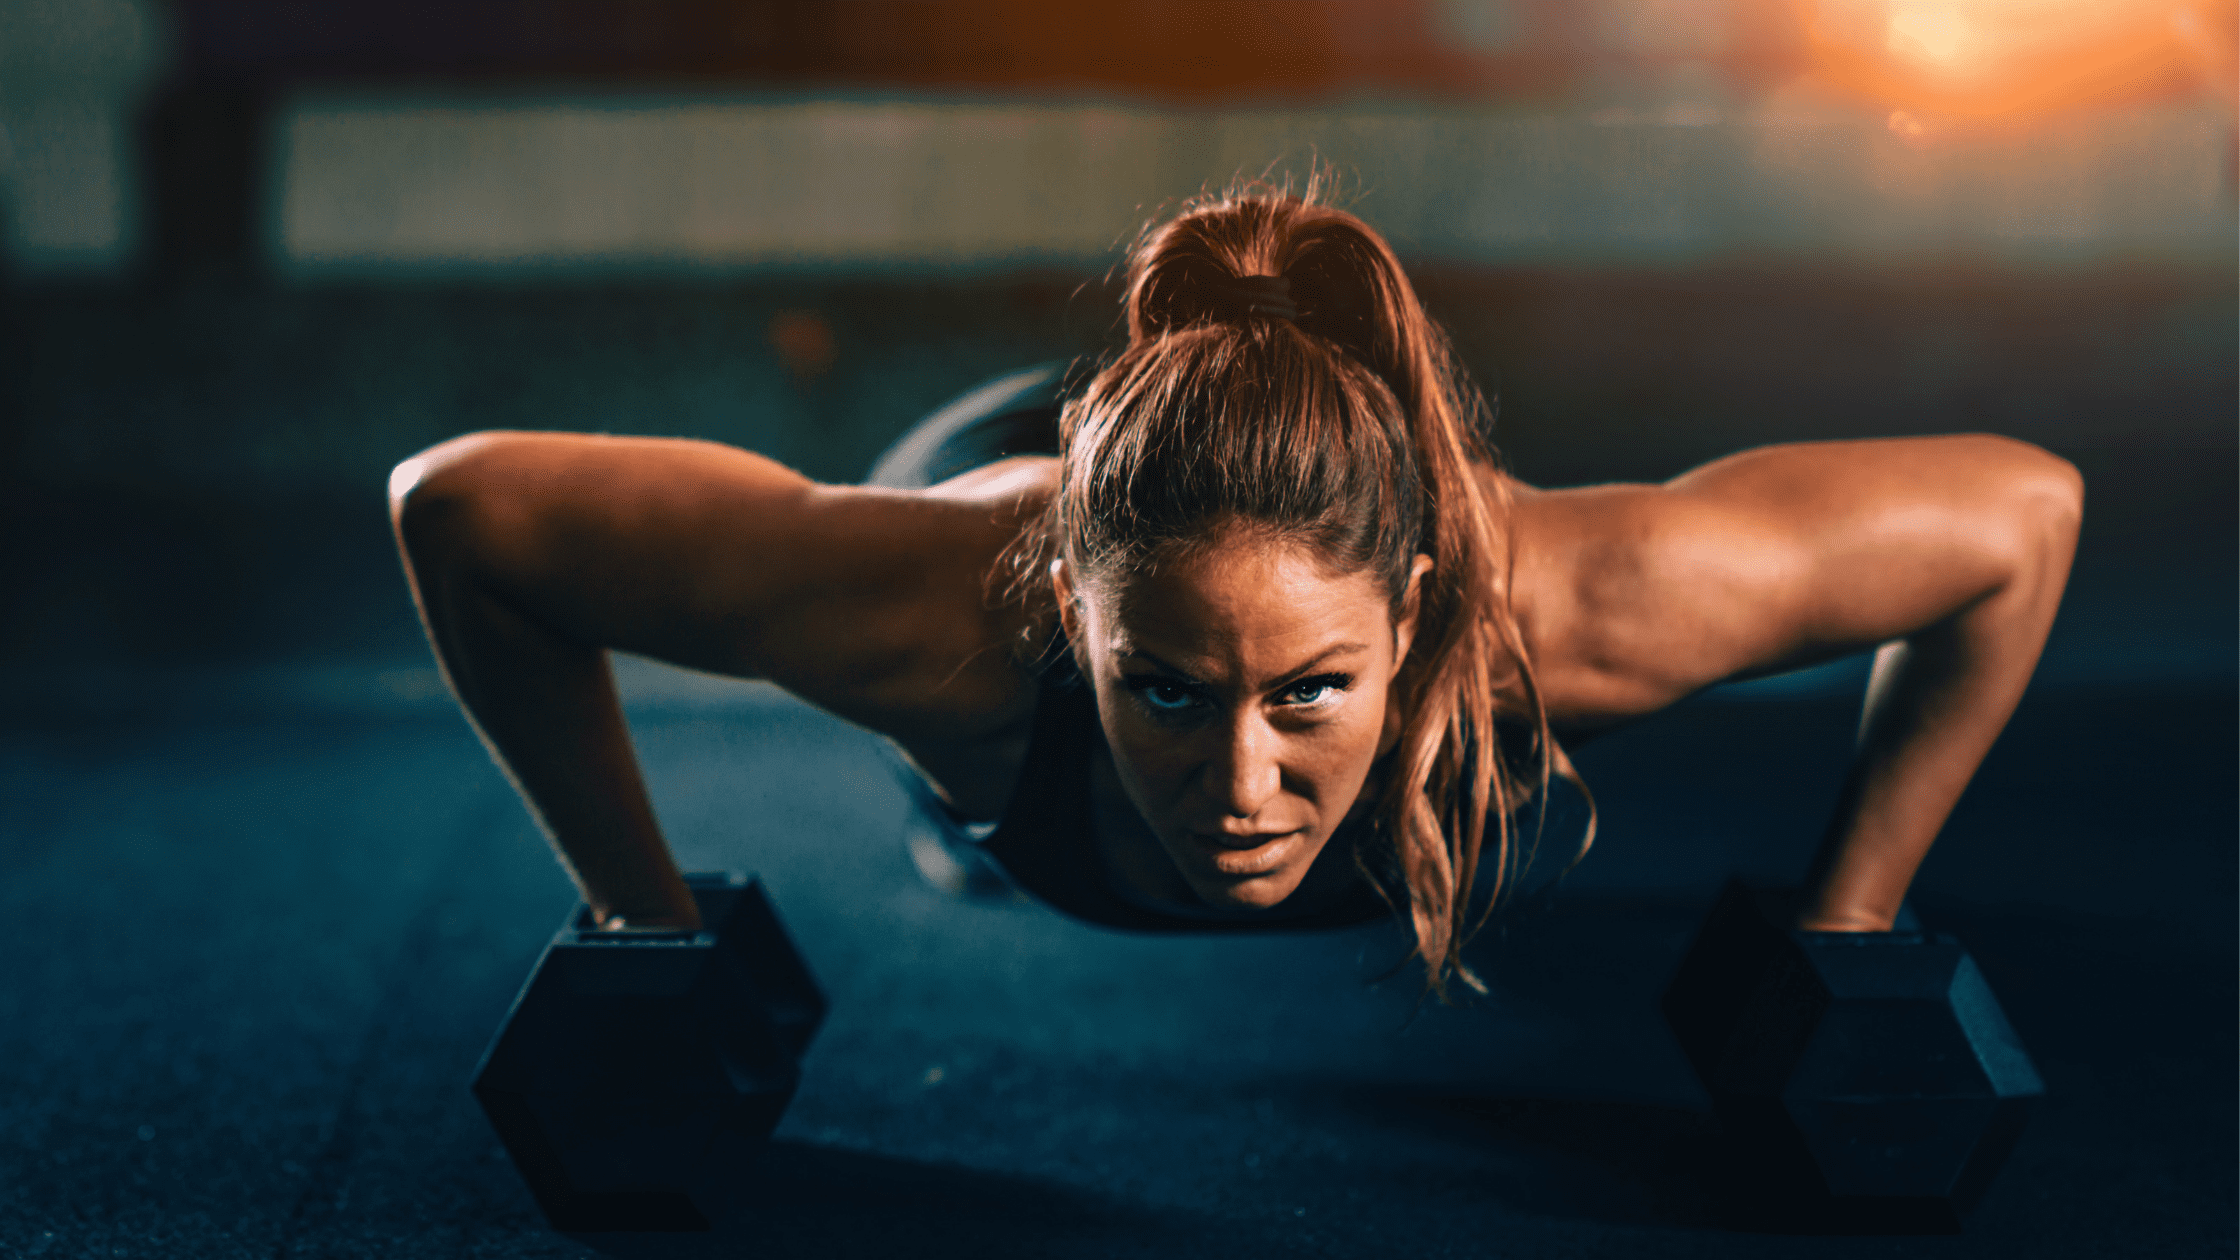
(1243, 692)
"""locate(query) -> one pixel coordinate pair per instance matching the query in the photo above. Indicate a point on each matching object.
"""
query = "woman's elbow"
(2051, 493)
(434, 494)
(2036, 492)
(2043, 498)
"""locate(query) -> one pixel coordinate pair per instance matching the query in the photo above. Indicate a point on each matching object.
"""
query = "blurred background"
(275, 899)
(252, 253)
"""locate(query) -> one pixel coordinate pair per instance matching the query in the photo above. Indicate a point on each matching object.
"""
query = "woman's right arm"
(531, 554)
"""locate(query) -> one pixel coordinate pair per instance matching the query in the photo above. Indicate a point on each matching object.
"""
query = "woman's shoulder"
(965, 694)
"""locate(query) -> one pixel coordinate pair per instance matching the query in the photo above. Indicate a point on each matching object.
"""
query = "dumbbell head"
(639, 1073)
(1868, 1080)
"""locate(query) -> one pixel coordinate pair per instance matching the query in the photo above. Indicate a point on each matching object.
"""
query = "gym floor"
(271, 903)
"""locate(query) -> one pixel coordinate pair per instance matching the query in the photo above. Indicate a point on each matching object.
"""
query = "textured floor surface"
(261, 952)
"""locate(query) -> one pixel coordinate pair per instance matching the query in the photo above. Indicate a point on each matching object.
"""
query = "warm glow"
(1937, 33)
(1941, 62)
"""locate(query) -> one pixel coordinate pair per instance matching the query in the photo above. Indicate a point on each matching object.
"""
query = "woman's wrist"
(1828, 909)
(648, 918)
(1813, 921)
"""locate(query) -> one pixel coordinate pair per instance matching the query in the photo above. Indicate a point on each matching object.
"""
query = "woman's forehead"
(1251, 596)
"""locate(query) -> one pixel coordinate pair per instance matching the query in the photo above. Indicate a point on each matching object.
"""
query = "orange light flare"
(1943, 64)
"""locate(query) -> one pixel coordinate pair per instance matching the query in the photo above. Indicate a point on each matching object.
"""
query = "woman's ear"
(1411, 603)
(1061, 590)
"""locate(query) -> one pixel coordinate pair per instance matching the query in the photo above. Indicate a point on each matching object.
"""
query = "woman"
(1271, 640)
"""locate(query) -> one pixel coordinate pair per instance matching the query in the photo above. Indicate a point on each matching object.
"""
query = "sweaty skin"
(532, 554)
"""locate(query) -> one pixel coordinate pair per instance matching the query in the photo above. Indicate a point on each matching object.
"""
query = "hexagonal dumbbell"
(1868, 1080)
(640, 1073)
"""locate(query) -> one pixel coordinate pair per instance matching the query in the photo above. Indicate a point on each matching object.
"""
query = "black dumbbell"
(1867, 1081)
(640, 1073)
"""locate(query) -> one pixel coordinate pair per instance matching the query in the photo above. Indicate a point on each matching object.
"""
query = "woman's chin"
(1259, 892)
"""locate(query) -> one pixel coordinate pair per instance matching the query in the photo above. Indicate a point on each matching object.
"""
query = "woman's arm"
(1951, 552)
(1936, 700)
(532, 554)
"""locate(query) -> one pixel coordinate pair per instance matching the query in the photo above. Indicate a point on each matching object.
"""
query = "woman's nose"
(1243, 775)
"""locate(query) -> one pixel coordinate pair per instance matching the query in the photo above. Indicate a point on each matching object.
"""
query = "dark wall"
(196, 470)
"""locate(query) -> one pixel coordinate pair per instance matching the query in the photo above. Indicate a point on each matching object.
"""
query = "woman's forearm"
(1925, 731)
(547, 709)
(1936, 702)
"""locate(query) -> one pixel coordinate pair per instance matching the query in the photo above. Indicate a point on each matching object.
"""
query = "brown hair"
(1337, 415)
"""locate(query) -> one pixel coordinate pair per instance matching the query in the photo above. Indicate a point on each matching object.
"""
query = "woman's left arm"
(1938, 697)
(1951, 552)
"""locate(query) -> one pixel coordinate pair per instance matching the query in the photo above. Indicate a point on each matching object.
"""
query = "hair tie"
(1261, 295)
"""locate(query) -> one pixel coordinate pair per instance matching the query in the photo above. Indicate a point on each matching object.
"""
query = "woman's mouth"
(1243, 856)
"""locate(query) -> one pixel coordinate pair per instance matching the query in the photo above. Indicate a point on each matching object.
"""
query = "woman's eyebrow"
(1348, 648)
(1320, 658)
(1124, 650)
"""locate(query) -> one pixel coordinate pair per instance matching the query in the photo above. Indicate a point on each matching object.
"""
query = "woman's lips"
(1239, 856)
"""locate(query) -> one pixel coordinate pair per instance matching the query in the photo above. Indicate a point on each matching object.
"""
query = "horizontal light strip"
(382, 184)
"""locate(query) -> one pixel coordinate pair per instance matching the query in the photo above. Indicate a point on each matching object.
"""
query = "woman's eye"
(1308, 692)
(1165, 697)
